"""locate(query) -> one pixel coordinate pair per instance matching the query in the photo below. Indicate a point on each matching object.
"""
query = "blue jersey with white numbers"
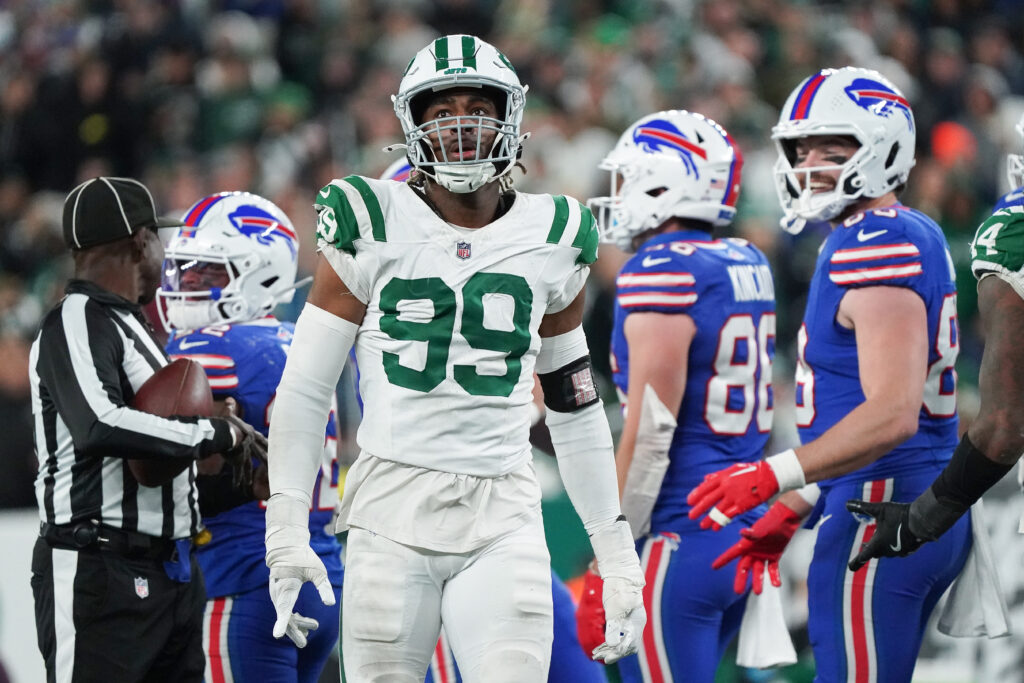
(726, 287)
(892, 247)
(1015, 198)
(245, 361)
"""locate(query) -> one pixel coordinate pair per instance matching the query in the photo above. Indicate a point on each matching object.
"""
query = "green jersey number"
(437, 332)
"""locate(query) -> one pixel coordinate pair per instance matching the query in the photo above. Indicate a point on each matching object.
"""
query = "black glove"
(248, 445)
(892, 537)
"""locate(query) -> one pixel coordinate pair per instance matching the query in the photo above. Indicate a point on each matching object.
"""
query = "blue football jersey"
(894, 247)
(726, 287)
(1014, 198)
(245, 361)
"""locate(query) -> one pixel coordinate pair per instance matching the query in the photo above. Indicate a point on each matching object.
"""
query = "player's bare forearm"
(891, 327)
(996, 431)
(659, 346)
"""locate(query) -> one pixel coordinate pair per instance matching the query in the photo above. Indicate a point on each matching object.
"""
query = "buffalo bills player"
(568, 663)
(876, 388)
(994, 441)
(234, 260)
(692, 349)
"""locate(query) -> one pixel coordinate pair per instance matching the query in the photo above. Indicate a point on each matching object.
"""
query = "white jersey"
(446, 351)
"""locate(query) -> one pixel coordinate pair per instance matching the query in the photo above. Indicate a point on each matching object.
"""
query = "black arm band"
(967, 476)
(570, 387)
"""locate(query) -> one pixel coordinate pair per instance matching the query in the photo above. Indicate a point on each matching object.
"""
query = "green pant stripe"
(372, 207)
(560, 220)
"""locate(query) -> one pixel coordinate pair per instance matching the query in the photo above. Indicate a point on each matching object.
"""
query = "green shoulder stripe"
(560, 220)
(587, 237)
(372, 207)
(336, 222)
(998, 245)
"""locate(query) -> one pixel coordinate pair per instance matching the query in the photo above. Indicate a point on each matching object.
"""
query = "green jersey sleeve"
(348, 210)
(998, 247)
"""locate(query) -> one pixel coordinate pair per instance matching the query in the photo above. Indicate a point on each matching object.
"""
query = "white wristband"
(810, 494)
(787, 470)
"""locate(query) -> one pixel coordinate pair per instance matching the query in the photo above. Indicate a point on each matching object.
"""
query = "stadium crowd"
(278, 97)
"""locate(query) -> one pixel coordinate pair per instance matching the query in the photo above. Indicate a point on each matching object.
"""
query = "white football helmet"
(1015, 162)
(246, 235)
(461, 61)
(851, 101)
(669, 164)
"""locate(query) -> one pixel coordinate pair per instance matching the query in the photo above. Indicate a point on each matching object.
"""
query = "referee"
(118, 593)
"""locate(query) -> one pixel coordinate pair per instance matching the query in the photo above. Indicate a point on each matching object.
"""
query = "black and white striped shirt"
(93, 352)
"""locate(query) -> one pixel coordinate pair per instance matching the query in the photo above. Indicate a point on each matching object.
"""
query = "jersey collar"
(677, 236)
(97, 293)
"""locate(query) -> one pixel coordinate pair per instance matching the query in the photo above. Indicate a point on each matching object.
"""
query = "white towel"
(764, 638)
(975, 606)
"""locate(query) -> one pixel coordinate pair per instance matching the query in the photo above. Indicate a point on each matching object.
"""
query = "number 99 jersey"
(891, 247)
(726, 287)
(451, 313)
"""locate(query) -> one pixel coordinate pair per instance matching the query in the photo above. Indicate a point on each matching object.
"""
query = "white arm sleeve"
(582, 441)
(317, 355)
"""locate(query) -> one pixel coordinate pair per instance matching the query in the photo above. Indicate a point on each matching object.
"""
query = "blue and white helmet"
(855, 102)
(1015, 162)
(461, 61)
(668, 164)
(255, 242)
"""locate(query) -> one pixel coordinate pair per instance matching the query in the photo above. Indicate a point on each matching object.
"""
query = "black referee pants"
(101, 616)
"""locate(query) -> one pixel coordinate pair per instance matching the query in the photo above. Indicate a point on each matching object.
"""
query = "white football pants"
(494, 602)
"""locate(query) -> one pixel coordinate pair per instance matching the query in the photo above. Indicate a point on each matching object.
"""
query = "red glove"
(732, 491)
(761, 547)
(590, 613)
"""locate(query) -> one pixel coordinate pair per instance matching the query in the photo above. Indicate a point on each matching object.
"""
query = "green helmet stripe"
(441, 53)
(560, 220)
(469, 52)
(372, 207)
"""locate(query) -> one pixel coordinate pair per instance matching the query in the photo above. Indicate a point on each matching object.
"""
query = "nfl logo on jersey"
(462, 250)
(141, 587)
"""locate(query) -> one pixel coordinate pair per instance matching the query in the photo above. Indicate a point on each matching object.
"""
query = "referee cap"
(106, 209)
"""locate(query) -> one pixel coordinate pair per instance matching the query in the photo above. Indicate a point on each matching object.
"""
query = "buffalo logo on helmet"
(879, 99)
(660, 136)
(255, 223)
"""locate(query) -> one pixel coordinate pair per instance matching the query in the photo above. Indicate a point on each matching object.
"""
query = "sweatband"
(787, 470)
(320, 346)
(963, 481)
(810, 493)
(586, 461)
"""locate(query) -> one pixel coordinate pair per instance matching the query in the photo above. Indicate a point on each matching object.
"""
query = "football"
(180, 388)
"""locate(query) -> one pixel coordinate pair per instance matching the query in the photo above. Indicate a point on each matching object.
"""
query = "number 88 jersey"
(891, 247)
(726, 287)
(448, 344)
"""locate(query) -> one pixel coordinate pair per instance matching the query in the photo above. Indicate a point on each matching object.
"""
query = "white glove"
(292, 562)
(623, 601)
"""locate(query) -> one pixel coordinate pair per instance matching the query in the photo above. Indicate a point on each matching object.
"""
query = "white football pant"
(495, 603)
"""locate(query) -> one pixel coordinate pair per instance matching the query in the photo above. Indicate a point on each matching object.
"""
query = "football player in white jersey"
(453, 289)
